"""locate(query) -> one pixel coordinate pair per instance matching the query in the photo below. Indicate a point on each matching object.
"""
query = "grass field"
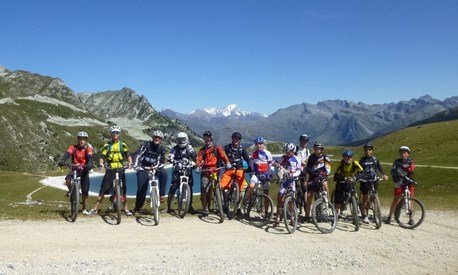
(432, 144)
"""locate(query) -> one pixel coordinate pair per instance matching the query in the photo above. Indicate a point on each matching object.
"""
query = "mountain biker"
(237, 155)
(345, 174)
(402, 167)
(318, 166)
(150, 153)
(182, 152)
(292, 166)
(262, 160)
(371, 167)
(81, 154)
(303, 153)
(112, 156)
(210, 156)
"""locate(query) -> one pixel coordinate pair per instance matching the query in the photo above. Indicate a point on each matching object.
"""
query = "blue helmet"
(259, 140)
(347, 153)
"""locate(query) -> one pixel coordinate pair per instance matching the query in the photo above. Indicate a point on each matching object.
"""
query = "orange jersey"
(80, 155)
(210, 156)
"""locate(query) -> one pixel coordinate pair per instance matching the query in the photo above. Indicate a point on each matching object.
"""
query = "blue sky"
(260, 55)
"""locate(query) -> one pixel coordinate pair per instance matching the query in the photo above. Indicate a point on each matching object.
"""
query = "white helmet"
(115, 128)
(289, 147)
(82, 134)
(404, 149)
(182, 139)
(158, 133)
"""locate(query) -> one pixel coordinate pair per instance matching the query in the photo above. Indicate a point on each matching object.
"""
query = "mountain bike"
(116, 196)
(184, 190)
(373, 202)
(300, 201)
(288, 209)
(75, 191)
(324, 214)
(409, 212)
(153, 183)
(260, 207)
(351, 201)
(231, 197)
(213, 187)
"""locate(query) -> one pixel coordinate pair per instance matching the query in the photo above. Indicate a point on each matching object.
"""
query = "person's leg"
(84, 188)
(162, 176)
(142, 188)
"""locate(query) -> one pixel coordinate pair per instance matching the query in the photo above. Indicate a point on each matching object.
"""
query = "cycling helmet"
(318, 144)
(347, 153)
(404, 149)
(158, 133)
(208, 134)
(82, 134)
(304, 137)
(289, 147)
(115, 128)
(236, 135)
(258, 140)
(368, 145)
(182, 139)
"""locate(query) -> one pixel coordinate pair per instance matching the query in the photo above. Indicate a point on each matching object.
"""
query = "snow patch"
(73, 121)
(8, 100)
(53, 101)
(134, 126)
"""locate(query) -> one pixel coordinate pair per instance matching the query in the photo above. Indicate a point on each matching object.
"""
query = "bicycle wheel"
(232, 200)
(154, 200)
(184, 200)
(256, 210)
(290, 214)
(118, 205)
(324, 216)
(376, 211)
(219, 204)
(354, 212)
(411, 217)
(74, 201)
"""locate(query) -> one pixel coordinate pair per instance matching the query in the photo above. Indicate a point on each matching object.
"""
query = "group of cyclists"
(297, 168)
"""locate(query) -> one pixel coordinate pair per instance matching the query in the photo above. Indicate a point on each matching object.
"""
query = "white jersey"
(303, 154)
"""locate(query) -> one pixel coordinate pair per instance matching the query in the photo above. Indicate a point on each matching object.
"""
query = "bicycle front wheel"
(233, 200)
(376, 211)
(354, 212)
(219, 204)
(184, 200)
(74, 201)
(154, 200)
(290, 214)
(411, 217)
(259, 212)
(324, 216)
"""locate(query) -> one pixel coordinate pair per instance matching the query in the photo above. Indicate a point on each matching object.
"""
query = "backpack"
(110, 147)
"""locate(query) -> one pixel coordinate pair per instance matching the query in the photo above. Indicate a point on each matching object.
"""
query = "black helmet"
(368, 145)
(208, 134)
(304, 137)
(318, 144)
(236, 135)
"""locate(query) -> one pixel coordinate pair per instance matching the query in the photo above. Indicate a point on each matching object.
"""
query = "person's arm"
(247, 158)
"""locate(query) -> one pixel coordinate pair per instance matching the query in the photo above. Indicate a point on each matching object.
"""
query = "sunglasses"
(115, 133)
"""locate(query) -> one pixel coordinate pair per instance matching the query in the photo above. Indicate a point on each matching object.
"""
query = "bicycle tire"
(324, 216)
(154, 200)
(74, 201)
(354, 212)
(232, 201)
(219, 204)
(400, 215)
(184, 200)
(118, 202)
(377, 211)
(289, 213)
(256, 213)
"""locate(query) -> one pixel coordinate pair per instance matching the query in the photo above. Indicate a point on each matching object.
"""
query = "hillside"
(447, 115)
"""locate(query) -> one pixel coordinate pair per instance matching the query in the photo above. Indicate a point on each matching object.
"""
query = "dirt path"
(196, 246)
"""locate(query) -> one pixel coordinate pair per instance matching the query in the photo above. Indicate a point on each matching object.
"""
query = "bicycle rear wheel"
(118, 205)
(232, 200)
(411, 217)
(184, 200)
(324, 216)
(74, 201)
(376, 211)
(290, 214)
(354, 212)
(154, 201)
(219, 204)
(256, 210)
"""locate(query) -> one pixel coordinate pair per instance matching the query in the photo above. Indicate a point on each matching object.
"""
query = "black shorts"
(339, 192)
(84, 181)
(365, 187)
(107, 182)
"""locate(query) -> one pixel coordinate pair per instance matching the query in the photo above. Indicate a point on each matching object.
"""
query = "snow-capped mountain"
(230, 110)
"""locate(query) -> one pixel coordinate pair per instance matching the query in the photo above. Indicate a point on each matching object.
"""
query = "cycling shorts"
(365, 187)
(285, 185)
(265, 183)
(84, 181)
(398, 191)
(227, 177)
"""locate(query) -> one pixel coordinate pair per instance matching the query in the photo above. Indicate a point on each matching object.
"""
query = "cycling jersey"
(150, 154)
(347, 170)
(371, 165)
(236, 155)
(80, 155)
(113, 154)
(208, 157)
(292, 164)
(262, 160)
(318, 164)
(303, 154)
(402, 168)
